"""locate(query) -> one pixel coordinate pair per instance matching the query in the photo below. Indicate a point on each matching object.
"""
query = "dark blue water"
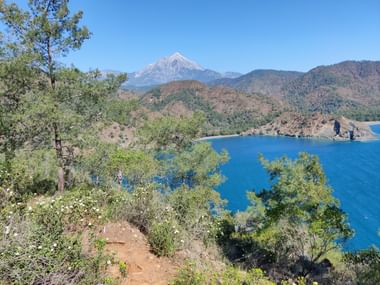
(352, 168)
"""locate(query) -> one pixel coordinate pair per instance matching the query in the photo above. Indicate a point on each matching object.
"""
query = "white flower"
(182, 241)
(54, 245)
(90, 224)
(30, 208)
(17, 254)
(52, 250)
(39, 247)
(109, 262)
(15, 234)
(69, 248)
(7, 230)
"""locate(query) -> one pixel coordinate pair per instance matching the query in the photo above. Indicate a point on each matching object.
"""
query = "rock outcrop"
(315, 126)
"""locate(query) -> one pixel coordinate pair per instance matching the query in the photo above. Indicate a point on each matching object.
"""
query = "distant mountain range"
(349, 88)
(233, 105)
(264, 81)
(171, 68)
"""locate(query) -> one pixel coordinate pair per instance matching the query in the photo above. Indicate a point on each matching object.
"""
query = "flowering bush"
(41, 239)
(30, 254)
(163, 238)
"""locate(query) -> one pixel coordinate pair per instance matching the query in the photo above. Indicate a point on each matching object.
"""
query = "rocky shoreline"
(316, 126)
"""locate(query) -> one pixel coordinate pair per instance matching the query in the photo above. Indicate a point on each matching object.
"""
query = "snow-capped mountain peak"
(169, 68)
(170, 65)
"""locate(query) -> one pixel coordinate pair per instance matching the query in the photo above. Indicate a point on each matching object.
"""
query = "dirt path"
(130, 245)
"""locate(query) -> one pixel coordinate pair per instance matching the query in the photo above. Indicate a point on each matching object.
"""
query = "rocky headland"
(315, 125)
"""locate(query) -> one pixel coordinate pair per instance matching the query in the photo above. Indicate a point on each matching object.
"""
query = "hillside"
(226, 110)
(351, 88)
(269, 82)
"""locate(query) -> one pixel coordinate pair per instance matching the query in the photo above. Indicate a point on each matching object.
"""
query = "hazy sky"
(228, 35)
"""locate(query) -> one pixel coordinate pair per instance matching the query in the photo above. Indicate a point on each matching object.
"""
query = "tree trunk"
(57, 138)
(59, 153)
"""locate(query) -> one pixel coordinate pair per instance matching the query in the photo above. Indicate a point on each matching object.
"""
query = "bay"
(352, 169)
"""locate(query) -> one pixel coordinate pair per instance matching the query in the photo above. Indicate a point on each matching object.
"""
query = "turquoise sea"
(352, 168)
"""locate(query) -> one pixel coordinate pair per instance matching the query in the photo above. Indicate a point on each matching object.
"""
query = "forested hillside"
(349, 88)
(226, 111)
(267, 82)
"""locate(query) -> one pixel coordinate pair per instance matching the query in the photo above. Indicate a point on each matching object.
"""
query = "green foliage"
(191, 275)
(136, 166)
(195, 211)
(170, 132)
(361, 113)
(45, 32)
(366, 265)
(120, 111)
(162, 238)
(198, 166)
(123, 269)
(62, 102)
(33, 172)
(297, 220)
(36, 247)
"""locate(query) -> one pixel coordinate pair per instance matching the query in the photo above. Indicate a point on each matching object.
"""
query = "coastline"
(372, 123)
(217, 137)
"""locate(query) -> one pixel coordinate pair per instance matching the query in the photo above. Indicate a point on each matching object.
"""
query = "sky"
(227, 35)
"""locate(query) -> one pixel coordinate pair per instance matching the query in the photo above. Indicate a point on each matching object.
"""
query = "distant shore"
(372, 123)
(369, 123)
(217, 137)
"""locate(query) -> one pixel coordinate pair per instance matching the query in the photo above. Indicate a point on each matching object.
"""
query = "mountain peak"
(179, 61)
(170, 68)
(177, 55)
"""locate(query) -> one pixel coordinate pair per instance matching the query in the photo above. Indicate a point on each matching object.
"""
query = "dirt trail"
(131, 246)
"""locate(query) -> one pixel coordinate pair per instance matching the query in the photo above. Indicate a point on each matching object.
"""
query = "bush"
(163, 238)
(191, 275)
(34, 254)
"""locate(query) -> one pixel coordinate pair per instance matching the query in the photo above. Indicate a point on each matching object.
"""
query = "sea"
(352, 169)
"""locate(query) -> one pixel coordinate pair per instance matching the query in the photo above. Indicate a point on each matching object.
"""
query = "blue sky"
(228, 35)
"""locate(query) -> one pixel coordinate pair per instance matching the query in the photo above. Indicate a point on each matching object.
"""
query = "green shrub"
(34, 254)
(123, 268)
(191, 275)
(163, 238)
